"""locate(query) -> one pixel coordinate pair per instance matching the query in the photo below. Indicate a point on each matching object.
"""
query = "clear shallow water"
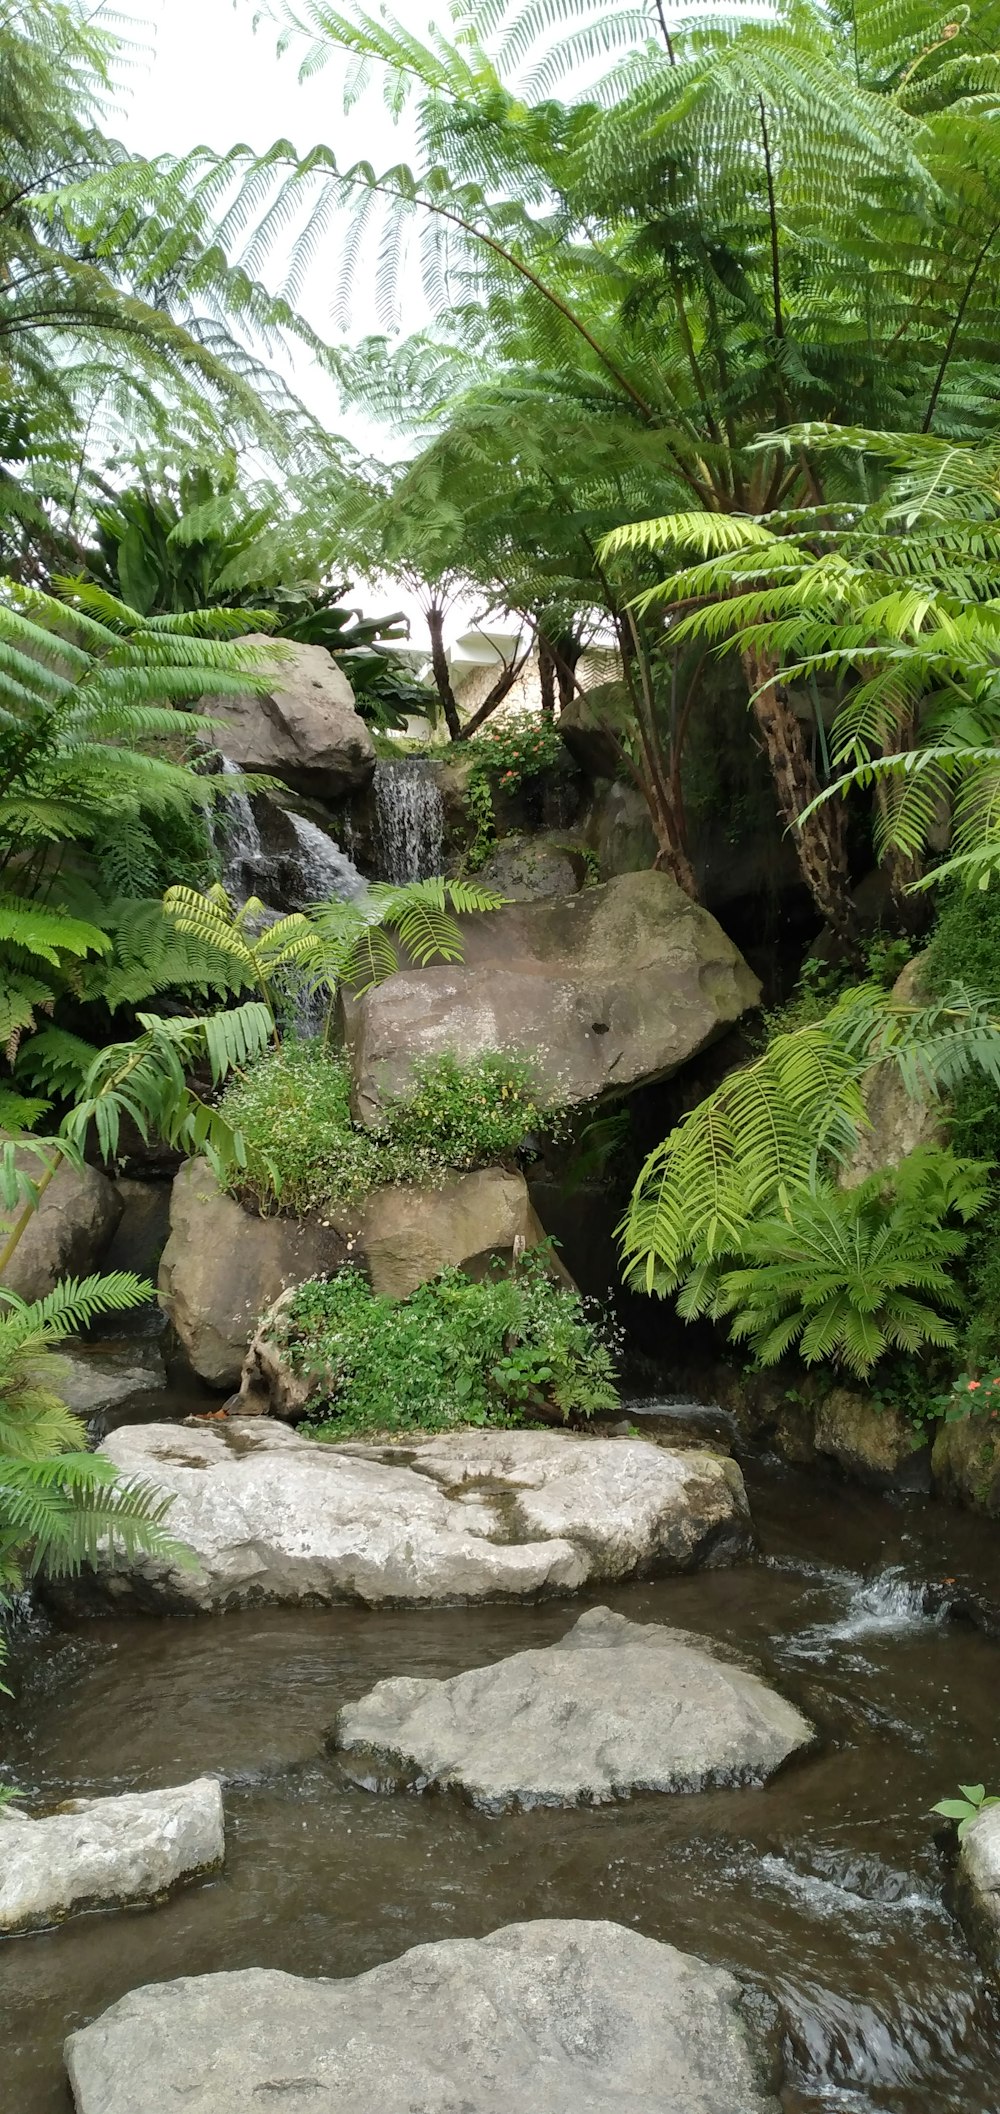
(826, 1886)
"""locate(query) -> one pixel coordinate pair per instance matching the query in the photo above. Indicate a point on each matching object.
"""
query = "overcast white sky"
(205, 77)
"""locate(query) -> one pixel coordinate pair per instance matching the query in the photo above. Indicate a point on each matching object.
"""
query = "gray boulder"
(223, 1269)
(602, 991)
(106, 1852)
(96, 1377)
(67, 1234)
(538, 2018)
(979, 1888)
(528, 869)
(615, 1707)
(875, 1442)
(275, 1516)
(304, 731)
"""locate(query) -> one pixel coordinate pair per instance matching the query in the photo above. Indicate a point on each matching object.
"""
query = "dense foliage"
(60, 1504)
(303, 1152)
(453, 1353)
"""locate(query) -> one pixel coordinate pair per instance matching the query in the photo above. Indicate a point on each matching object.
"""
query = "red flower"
(973, 1384)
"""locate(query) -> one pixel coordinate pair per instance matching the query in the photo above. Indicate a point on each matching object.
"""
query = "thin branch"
(957, 325)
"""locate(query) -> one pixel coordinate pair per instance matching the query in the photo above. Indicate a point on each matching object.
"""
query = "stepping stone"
(539, 2018)
(272, 1515)
(107, 1852)
(614, 1708)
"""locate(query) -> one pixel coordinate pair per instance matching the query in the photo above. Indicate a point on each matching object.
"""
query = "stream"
(827, 1886)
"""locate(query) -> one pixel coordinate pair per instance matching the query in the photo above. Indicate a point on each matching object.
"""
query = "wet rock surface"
(274, 1516)
(979, 1888)
(615, 1707)
(569, 2017)
(106, 1852)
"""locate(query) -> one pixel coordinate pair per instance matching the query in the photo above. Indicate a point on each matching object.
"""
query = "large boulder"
(106, 1852)
(898, 1122)
(613, 1708)
(965, 1462)
(871, 1440)
(68, 1233)
(304, 730)
(538, 2018)
(274, 1516)
(223, 1269)
(587, 725)
(602, 991)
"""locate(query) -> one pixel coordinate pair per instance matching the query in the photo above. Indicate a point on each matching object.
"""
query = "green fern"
(848, 1275)
(61, 1507)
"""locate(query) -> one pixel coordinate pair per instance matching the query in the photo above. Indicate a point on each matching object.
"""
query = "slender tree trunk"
(442, 672)
(821, 843)
(502, 688)
(652, 775)
(547, 676)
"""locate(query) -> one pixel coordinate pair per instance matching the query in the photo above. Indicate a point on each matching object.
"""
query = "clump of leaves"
(60, 1505)
(469, 1112)
(967, 1808)
(455, 1353)
(848, 1274)
(517, 748)
(303, 1151)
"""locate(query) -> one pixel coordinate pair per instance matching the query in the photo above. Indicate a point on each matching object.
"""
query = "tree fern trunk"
(821, 843)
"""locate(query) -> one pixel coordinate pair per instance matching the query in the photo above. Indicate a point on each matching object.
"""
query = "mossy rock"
(965, 1464)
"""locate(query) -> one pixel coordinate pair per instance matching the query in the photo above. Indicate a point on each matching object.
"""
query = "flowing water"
(305, 866)
(409, 819)
(827, 1887)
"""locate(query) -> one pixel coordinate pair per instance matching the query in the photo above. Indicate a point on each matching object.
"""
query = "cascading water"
(409, 819)
(290, 863)
(238, 841)
(324, 870)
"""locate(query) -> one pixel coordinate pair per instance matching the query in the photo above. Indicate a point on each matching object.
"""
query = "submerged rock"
(613, 1708)
(106, 1852)
(602, 991)
(538, 2018)
(274, 1516)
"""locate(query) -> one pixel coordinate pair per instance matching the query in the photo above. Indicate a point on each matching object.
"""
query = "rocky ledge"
(106, 1852)
(272, 1515)
(614, 1708)
(572, 2018)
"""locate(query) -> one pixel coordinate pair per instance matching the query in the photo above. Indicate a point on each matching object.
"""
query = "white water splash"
(326, 871)
(409, 819)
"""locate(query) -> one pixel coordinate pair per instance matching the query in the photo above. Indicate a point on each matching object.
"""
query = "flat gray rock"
(107, 1852)
(615, 1707)
(274, 1516)
(539, 2018)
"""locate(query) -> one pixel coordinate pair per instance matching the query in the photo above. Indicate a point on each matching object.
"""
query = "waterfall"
(409, 819)
(324, 870)
(289, 862)
(238, 841)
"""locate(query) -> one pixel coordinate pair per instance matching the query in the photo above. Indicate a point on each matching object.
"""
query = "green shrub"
(518, 748)
(304, 1153)
(454, 1353)
(850, 1273)
(468, 1113)
(965, 950)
